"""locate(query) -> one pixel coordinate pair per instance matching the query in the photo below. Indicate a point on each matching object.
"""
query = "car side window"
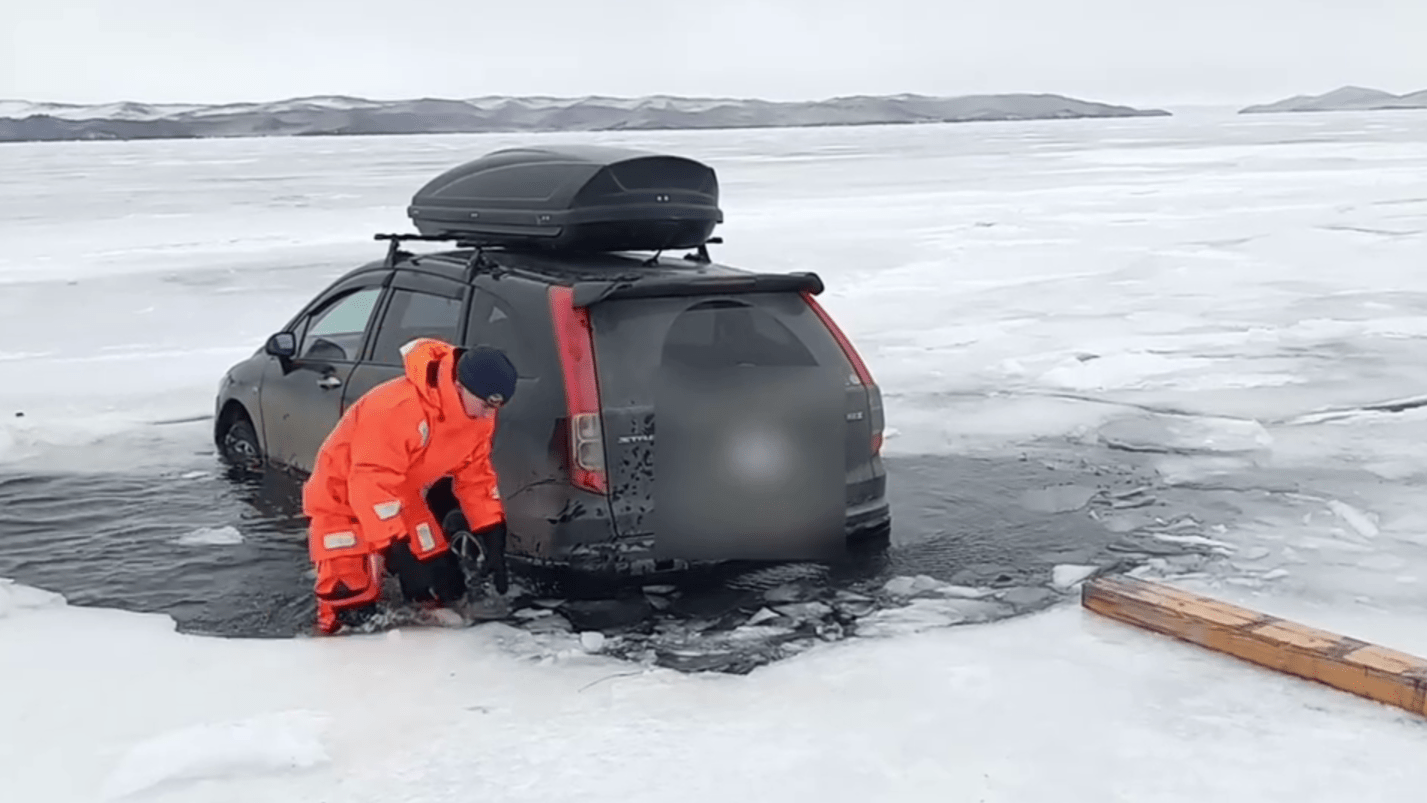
(497, 328)
(336, 332)
(412, 315)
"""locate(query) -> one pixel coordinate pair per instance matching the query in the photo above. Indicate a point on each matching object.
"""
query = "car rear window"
(634, 338)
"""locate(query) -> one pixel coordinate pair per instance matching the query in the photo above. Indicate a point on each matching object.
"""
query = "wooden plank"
(1367, 670)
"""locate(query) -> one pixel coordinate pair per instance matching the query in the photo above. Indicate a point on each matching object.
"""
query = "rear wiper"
(588, 294)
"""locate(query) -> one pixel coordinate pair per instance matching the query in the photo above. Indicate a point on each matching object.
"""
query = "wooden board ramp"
(1368, 670)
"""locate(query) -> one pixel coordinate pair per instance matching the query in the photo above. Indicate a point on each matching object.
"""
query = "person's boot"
(344, 620)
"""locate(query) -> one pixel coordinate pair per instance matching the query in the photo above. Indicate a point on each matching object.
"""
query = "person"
(405, 480)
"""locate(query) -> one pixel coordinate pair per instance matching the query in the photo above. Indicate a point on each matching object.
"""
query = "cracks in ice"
(783, 611)
(1367, 230)
(1322, 416)
(1340, 413)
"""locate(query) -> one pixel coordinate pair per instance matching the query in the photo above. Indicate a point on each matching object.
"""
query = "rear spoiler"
(587, 294)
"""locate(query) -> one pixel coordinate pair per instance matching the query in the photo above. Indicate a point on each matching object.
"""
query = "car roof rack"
(394, 252)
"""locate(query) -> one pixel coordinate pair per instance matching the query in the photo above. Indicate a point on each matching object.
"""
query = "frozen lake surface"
(1187, 343)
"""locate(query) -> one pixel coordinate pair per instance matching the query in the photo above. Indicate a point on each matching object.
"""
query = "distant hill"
(22, 121)
(1348, 98)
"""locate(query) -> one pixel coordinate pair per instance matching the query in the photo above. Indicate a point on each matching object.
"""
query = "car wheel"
(240, 444)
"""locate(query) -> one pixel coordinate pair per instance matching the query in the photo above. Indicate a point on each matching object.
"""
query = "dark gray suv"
(769, 424)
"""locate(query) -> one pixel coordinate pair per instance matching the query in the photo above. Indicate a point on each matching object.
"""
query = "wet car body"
(589, 330)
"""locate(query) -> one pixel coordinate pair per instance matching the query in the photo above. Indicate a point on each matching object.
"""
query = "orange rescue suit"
(367, 489)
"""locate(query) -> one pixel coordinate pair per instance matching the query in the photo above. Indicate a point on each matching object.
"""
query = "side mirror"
(282, 344)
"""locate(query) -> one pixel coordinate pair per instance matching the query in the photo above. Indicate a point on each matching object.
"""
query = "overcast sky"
(1131, 51)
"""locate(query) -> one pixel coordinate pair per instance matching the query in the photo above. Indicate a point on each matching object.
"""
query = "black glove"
(455, 522)
(492, 543)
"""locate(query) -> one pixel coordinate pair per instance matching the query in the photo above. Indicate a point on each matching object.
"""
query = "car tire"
(239, 443)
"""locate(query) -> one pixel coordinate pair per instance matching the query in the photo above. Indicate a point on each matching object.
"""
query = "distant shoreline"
(343, 116)
(1343, 99)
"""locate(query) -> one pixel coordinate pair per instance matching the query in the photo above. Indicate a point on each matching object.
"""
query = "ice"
(925, 614)
(1162, 433)
(1355, 518)
(1067, 576)
(910, 586)
(16, 598)
(1057, 498)
(265, 743)
(226, 535)
(491, 713)
(1197, 540)
(760, 616)
(915, 617)
(1146, 271)
(1235, 304)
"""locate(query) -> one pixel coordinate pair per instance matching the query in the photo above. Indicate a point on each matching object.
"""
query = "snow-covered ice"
(1055, 705)
(258, 745)
(1068, 575)
(1236, 303)
(16, 598)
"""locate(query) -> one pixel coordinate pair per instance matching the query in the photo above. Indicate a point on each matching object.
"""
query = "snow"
(256, 745)
(15, 598)
(110, 111)
(1068, 576)
(157, 111)
(1055, 704)
(1236, 303)
(652, 101)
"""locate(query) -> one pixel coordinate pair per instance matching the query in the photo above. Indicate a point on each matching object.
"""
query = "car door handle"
(328, 382)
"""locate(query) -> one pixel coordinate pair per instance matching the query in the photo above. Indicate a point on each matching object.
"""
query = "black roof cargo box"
(572, 198)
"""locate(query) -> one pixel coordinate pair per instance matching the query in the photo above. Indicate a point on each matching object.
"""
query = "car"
(560, 256)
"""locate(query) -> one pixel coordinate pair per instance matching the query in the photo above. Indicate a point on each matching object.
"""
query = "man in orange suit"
(369, 499)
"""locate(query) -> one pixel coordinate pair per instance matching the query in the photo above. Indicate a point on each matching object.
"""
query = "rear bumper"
(591, 545)
(868, 516)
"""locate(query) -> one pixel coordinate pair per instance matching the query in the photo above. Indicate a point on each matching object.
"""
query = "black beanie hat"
(487, 373)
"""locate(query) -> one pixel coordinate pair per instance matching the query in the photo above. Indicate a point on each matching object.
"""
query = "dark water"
(116, 540)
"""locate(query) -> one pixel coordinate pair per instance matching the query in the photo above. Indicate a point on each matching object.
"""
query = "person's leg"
(448, 578)
(348, 580)
(410, 573)
(441, 499)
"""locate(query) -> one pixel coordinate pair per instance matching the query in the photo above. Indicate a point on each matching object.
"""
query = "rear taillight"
(582, 393)
(864, 376)
(878, 418)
